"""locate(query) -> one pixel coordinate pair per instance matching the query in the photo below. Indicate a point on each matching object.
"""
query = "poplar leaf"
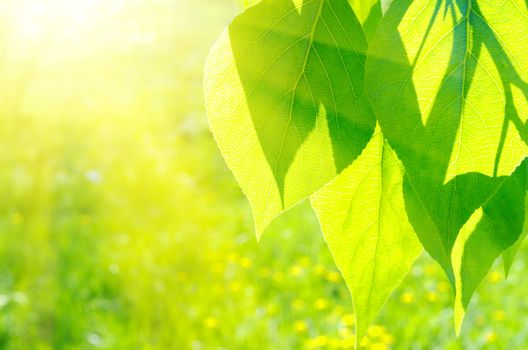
(448, 82)
(490, 231)
(284, 89)
(363, 219)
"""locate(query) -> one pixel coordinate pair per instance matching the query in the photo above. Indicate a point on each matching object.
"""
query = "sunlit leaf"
(446, 79)
(490, 230)
(284, 89)
(363, 218)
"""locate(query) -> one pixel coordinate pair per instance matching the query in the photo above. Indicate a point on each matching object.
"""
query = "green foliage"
(293, 90)
(363, 218)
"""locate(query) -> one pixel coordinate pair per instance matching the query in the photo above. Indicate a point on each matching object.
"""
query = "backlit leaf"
(363, 218)
(285, 96)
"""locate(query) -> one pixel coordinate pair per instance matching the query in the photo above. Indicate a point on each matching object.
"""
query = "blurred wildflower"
(499, 315)
(339, 310)
(319, 270)
(333, 343)
(217, 268)
(378, 346)
(211, 323)
(300, 326)
(235, 287)
(345, 332)
(245, 262)
(495, 277)
(348, 320)
(375, 331)
(296, 271)
(407, 298)
(317, 342)
(321, 304)
(232, 257)
(333, 276)
(278, 276)
(348, 342)
(430, 269)
(387, 339)
(491, 337)
(298, 304)
(431, 296)
(443, 287)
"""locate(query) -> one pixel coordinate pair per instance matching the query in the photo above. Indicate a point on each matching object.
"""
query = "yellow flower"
(348, 320)
(296, 271)
(333, 343)
(499, 315)
(333, 276)
(431, 296)
(407, 298)
(300, 326)
(211, 323)
(298, 304)
(321, 304)
(348, 342)
(378, 346)
(317, 342)
(387, 339)
(235, 287)
(491, 337)
(245, 262)
(495, 277)
(319, 270)
(217, 268)
(345, 332)
(375, 331)
(232, 257)
(278, 276)
(430, 270)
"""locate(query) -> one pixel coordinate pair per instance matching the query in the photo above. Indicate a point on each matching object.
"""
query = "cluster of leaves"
(405, 125)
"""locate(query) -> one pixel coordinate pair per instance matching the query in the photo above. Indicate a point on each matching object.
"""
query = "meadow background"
(121, 227)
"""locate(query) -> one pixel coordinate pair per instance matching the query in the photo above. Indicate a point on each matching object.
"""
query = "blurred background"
(121, 227)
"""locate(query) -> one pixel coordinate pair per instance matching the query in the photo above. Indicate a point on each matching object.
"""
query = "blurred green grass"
(121, 227)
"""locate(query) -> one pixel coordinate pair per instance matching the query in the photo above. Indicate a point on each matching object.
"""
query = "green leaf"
(284, 89)
(491, 229)
(508, 256)
(369, 13)
(363, 218)
(448, 82)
